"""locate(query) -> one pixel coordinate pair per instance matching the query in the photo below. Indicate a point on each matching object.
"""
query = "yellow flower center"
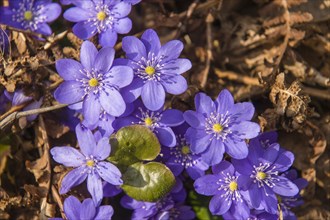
(233, 186)
(149, 70)
(185, 150)
(217, 128)
(148, 121)
(90, 163)
(101, 15)
(93, 82)
(28, 15)
(261, 175)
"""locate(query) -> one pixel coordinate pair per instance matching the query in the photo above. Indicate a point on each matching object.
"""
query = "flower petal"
(218, 204)
(131, 92)
(72, 179)
(151, 41)
(174, 166)
(225, 167)
(178, 66)
(94, 186)
(246, 129)
(236, 149)
(199, 140)
(243, 111)
(69, 92)
(204, 104)
(121, 9)
(102, 149)
(88, 53)
(166, 136)
(194, 119)
(242, 166)
(104, 59)
(91, 109)
(133, 48)
(120, 76)
(72, 208)
(207, 185)
(84, 30)
(76, 14)
(86, 140)
(175, 85)
(284, 161)
(171, 50)
(44, 29)
(172, 117)
(104, 212)
(88, 209)
(108, 38)
(225, 101)
(69, 69)
(110, 173)
(285, 187)
(112, 102)
(153, 95)
(52, 11)
(68, 156)
(214, 154)
(123, 26)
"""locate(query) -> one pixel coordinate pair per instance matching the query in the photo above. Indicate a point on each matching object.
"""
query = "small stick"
(16, 115)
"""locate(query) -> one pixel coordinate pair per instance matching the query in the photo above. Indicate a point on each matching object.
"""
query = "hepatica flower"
(30, 15)
(86, 210)
(160, 122)
(220, 126)
(180, 157)
(94, 81)
(88, 164)
(260, 176)
(4, 42)
(103, 17)
(226, 191)
(157, 69)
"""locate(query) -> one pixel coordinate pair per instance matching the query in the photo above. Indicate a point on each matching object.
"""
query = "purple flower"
(94, 81)
(104, 124)
(30, 15)
(260, 176)
(19, 98)
(226, 191)
(157, 121)
(181, 158)
(133, 2)
(86, 210)
(157, 69)
(67, 2)
(288, 202)
(88, 163)
(169, 207)
(220, 126)
(103, 17)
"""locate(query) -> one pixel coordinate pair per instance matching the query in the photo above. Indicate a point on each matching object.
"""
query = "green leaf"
(133, 144)
(148, 182)
(200, 205)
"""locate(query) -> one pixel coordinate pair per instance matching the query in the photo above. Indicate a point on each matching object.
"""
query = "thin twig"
(16, 115)
(237, 77)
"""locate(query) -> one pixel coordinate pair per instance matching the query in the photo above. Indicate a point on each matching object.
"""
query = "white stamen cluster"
(152, 61)
(269, 176)
(37, 16)
(225, 184)
(218, 119)
(91, 164)
(92, 74)
(102, 24)
(185, 159)
(149, 118)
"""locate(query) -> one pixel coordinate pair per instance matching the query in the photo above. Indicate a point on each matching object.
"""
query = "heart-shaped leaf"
(148, 182)
(134, 143)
